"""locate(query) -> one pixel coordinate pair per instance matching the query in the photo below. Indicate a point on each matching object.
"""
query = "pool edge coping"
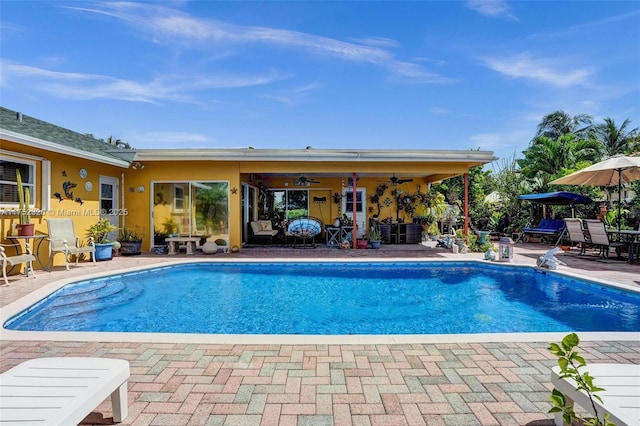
(13, 308)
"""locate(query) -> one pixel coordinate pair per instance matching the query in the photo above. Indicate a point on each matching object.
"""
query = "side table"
(332, 236)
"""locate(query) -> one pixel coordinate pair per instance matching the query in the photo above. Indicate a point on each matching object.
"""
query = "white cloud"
(155, 140)
(173, 26)
(378, 41)
(502, 141)
(292, 96)
(492, 8)
(544, 70)
(439, 110)
(80, 86)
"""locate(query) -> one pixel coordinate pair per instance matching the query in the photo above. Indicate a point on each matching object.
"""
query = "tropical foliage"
(562, 144)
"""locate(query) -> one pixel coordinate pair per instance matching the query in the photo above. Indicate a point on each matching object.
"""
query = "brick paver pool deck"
(454, 383)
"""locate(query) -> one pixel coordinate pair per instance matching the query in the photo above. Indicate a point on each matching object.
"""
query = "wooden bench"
(190, 242)
(62, 391)
(620, 398)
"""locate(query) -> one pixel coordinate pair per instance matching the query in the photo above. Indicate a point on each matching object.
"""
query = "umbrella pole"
(619, 196)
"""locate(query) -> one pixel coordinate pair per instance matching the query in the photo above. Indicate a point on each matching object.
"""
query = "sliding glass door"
(192, 208)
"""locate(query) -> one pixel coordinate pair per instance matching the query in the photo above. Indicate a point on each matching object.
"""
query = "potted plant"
(170, 227)
(459, 238)
(130, 242)
(375, 237)
(433, 231)
(99, 233)
(159, 238)
(25, 227)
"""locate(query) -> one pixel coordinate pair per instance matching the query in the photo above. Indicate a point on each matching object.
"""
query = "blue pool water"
(334, 298)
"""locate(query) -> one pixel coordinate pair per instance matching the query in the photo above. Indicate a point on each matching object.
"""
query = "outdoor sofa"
(547, 228)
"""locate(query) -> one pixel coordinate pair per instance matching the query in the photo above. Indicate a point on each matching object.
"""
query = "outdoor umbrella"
(613, 171)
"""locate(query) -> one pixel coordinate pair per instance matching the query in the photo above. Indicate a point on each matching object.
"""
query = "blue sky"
(291, 74)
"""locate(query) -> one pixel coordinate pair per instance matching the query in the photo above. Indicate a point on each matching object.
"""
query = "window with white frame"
(9, 182)
(178, 198)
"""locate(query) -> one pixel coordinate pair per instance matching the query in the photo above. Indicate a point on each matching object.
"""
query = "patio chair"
(576, 234)
(305, 229)
(600, 238)
(20, 258)
(62, 239)
(261, 231)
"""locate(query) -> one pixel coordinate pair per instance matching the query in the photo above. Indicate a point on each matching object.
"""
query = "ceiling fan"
(305, 180)
(397, 181)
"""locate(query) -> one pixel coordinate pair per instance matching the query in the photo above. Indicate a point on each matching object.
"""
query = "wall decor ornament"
(67, 188)
(83, 173)
(88, 186)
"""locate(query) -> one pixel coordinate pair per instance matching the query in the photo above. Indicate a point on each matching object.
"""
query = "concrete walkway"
(459, 383)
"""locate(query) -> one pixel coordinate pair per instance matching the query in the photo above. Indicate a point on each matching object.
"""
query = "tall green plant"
(570, 363)
(24, 199)
(99, 231)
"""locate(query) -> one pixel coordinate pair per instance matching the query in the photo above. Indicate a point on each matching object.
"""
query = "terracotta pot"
(26, 229)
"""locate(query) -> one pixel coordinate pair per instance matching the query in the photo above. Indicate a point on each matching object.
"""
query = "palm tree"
(547, 157)
(616, 140)
(560, 123)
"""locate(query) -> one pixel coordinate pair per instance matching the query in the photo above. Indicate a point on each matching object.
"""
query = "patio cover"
(557, 198)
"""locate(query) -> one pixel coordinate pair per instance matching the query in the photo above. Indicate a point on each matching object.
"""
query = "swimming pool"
(333, 298)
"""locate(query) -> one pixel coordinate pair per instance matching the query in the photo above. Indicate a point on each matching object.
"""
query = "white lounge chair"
(620, 398)
(62, 239)
(62, 391)
(10, 261)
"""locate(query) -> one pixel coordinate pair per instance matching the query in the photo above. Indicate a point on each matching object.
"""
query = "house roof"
(314, 155)
(20, 128)
(433, 165)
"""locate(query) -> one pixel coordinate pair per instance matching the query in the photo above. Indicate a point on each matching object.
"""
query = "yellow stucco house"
(212, 193)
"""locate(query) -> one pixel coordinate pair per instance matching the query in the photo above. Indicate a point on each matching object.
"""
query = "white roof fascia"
(51, 146)
(312, 155)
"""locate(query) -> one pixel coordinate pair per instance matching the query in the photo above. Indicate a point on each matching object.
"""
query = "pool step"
(86, 300)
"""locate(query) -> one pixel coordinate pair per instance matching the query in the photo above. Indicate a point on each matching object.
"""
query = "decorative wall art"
(68, 187)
